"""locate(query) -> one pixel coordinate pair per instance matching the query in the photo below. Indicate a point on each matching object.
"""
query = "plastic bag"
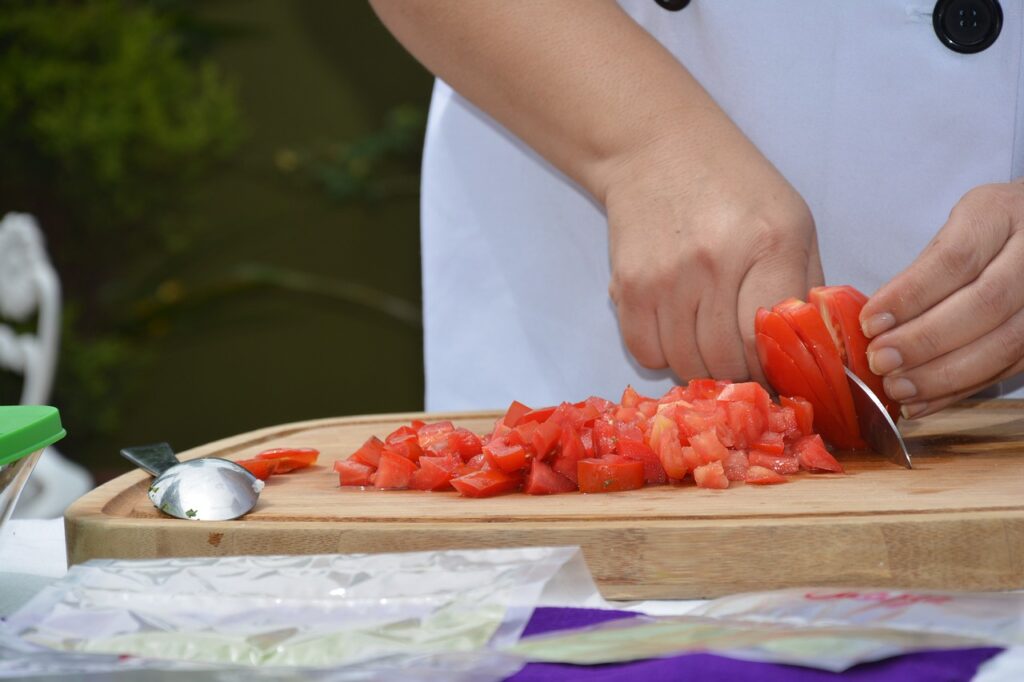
(421, 610)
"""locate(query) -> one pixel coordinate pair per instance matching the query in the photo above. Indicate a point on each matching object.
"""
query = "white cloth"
(879, 126)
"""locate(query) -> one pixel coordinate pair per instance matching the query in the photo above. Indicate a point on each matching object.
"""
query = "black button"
(967, 26)
(673, 5)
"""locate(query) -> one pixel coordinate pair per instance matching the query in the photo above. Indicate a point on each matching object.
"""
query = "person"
(611, 190)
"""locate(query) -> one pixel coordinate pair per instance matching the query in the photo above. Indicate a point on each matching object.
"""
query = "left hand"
(953, 322)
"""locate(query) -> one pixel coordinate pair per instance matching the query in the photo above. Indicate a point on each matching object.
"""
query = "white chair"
(29, 285)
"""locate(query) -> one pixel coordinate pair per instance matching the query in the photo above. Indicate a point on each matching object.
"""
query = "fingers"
(639, 326)
(965, 316)
(976, 230)
(998, 354)
(677, 324)
(718, 331)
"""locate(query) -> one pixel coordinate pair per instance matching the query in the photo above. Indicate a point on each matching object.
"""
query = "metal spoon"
(876, 426)
(205, 489)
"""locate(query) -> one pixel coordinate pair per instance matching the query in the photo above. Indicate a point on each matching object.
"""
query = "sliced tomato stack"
(803, 348)
(279, 461)
(711, 431)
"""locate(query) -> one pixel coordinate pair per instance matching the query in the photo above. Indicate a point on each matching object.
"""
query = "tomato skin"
(543, 480)
(711, 475)
(486, 483)
(289, 459)
(760, 476)
(351, 472)
(260, 468)
(812, 455)
(610, 474)
(394, 471)
(369, 452)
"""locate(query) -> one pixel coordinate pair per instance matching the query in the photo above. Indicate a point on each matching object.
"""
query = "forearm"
(577, 80)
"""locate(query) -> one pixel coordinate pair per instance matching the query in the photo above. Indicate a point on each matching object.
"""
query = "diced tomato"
(541, 414)
(813, 456)
(647, 408)
(351, 472)
(394, 471)
(625, 414)
(572, 451)
(782, 420)
(369, 452)
(289, 459)
(736, 465)
(711, 475)
(584, 414)
(434, 473)
(543, 480)
(505, 456)
(605, 438)
(745, 423)
(436, 432)
(703, 388)
(802, 410)
(630, 398)
(654, 472)
(464, 443)
(514, 413)
(473, 464)
(405, 442)
(260, 468)
(691, 458)
(762, 476)
(708, 447)
(670, 454)
(487, 483)
(522, 434)
(417, 424)
(770, 442)
(610, 474)
(778, 463)
(660, 425)
(600, 404)
(545, 438)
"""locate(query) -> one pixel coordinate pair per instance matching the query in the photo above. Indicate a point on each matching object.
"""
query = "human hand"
(703, 230)
(953, 321)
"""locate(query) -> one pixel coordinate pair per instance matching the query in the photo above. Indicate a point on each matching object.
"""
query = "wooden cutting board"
(954, 522)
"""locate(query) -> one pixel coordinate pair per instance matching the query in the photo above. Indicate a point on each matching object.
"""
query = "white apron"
(876, 123)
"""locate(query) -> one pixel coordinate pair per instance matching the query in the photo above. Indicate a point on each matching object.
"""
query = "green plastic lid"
(27, 428)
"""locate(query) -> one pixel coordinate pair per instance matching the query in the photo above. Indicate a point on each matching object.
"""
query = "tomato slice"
(813, 456)
(289, 459)
(806, 321)
(711, 475)
(486, 483)
(260, 468)
(609, 474)
(840, 308)
(351, 472)
(543, 480)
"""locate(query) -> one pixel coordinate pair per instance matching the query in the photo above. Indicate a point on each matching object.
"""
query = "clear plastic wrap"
(371, 613)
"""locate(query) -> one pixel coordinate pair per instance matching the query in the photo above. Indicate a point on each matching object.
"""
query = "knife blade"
(876, 426)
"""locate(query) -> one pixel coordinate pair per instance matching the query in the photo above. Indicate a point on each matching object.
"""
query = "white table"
(32, 555)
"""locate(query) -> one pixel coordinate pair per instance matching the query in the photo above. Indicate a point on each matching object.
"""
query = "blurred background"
(229, 194)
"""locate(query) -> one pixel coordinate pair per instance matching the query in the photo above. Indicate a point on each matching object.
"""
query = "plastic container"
(25, 431)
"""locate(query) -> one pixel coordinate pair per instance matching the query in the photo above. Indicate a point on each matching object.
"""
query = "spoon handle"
(155, 458)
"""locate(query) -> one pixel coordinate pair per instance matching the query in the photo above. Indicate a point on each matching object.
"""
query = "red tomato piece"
(351, 472)
(514, 413)
(584, 414)
(611, 474)
(260, 468)
(541, 414)
(475, 463)
(670, 454)
(711, 475)
(813, 456)
(762, 476)
(543, 480)
(417, 424)
(464, 443)
(770, 442)
(394, 471)
(434, 473)
(572, 451)
(606, 439)
(703, 388)
(437, 432)
(778, 463)
(654, 472)
(708, 447)
(522, 434)
(691, 458)
(486, 483)
(545, 438)
(647, 408)
(802, 410)
(736, 465)
(405, 442)
(630, 398)
(289, 459)
(505, 456)
(369, 452)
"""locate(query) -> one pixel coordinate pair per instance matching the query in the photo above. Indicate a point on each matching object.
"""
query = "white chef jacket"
(878, 125)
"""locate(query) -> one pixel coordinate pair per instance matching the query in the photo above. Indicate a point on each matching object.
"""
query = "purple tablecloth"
(932, 666)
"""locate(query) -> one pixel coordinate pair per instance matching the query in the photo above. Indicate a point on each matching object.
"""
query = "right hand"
(702, 231)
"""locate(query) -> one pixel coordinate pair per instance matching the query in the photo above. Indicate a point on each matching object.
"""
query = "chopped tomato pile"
(803, 348)
(279, 461)
(713, 431)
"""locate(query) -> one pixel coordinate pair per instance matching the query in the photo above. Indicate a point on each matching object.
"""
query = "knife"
(876, 426)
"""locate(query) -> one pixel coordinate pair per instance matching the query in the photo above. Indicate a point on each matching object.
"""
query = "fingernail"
(875, 325)
(884, 360)
(912, 410)
(900, 388)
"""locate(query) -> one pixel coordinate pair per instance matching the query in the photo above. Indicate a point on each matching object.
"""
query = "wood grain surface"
(956, 521)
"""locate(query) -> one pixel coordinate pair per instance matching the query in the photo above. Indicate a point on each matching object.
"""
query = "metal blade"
(876, 426)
